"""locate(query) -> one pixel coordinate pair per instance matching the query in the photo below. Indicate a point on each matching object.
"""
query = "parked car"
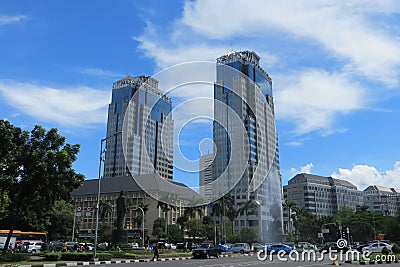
(134, 245)
(276, 248)
(170, 246)
(35, 247)
(377, 247)
(240, 248)
(87, 246)
(72, 246)
(206, 250)
(305, 246)
(55, 245)
(192, 246)
(180, 246)
(359, 247)
(256, 247)
(225, 248)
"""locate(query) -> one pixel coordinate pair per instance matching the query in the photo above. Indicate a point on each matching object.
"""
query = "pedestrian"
(64, 247)
(155, 248)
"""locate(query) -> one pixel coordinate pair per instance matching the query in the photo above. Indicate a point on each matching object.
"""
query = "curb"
(86, 263)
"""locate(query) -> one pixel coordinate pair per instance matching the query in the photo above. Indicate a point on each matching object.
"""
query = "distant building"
(322, 196)
(383, 200)
(148, 129)
(206, 176)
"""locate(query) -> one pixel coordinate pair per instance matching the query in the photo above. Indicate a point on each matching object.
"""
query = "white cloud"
(100, 72)
(311, 99)
(165, 57)
(352, 42)
(4, 20)
(78, 106)
(304, 169)
(348, 30)
(364, 175)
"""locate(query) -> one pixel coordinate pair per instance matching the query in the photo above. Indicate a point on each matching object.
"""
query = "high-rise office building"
(247, 155)
(206, 176)
(141, 112)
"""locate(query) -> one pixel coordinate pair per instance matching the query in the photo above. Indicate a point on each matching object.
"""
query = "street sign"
(78, 214)
(325, 231)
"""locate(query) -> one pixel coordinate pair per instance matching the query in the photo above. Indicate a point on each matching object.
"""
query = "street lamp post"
(98, 193)
(137, 207)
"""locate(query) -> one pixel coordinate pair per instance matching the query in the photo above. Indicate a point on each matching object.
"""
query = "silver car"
(377, 247)
(240, 248)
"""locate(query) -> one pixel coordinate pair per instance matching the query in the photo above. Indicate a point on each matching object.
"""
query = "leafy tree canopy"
(35, 172)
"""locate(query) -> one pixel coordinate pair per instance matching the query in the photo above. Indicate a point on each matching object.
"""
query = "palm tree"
(289, 206)
(220, 208)
(232, 214)
(105, 209)
(190, 212)
(247, 207)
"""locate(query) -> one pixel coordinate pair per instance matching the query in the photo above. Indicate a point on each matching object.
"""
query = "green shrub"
(79, 256)
(103, 256)
(14, 257)
(76, 256)
(385, 251)
(117, 254)
(53, 256)
(396, 248)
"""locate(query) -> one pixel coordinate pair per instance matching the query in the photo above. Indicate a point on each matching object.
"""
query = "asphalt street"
(237, 261)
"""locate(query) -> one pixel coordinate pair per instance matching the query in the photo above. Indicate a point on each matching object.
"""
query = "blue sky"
(335, 67)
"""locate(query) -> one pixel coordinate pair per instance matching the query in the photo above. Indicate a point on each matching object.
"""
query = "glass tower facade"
(252, 171)
(140, 111)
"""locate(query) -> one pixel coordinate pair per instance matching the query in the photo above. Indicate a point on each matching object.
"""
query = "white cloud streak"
(304, 169)
(364, 175)
(311, 99)
(346, 29)
(100, 72)
(4, 20)
(79, 106)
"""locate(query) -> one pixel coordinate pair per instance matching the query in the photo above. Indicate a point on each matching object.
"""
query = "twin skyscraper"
(246, 158)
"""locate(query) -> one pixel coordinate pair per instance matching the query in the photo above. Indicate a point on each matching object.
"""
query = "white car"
(35, 247)
(170, 246)
(377, 247)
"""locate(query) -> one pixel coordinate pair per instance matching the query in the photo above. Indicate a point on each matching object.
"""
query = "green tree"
(209, 228)
(174, 234)
(232, 214)
(191, 212)
(60, 219)
(248, 207)
(307, 226)
(159, 228)
(105, 209)
(248, 234)
(35, 171)
(195, 228)
(289, 206)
